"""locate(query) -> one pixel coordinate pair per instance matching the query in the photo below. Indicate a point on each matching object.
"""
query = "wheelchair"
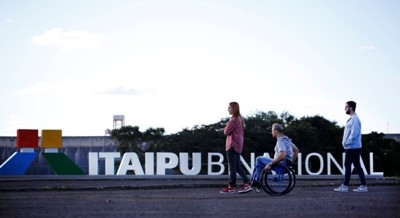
(279, 180)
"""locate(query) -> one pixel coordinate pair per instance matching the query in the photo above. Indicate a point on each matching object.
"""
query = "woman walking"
(234, 132)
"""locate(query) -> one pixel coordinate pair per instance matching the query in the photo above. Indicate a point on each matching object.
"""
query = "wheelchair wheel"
(279, 180)
(293, 179)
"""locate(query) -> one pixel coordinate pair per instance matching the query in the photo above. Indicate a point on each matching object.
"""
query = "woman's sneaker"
(228, 190)
(246, 188)
(361, 188)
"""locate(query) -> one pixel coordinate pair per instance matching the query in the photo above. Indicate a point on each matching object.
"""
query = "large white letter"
(149, 164)
(352, 166)
(219, 163)
(251, 167)
(125, 164)
(184, 163)
(162, 163)
(330, 157)
(371, 166)
(321, 163)
(109, 158)
(93, 163)
(362, 166)
(299, 164)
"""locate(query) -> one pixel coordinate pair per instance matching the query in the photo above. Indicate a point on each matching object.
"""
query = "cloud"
(35, 89)
(121, 90)
(5, 23)
(9, 21)
(69, 39)
(366, 47)
(62, 88)
(71, 88)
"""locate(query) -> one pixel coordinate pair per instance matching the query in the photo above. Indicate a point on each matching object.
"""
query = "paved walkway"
(188, 197)
(31, 183)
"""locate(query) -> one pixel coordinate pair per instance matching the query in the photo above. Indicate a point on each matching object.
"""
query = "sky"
(174, 64)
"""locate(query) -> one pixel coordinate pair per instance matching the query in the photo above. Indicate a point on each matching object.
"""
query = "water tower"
(118, 121)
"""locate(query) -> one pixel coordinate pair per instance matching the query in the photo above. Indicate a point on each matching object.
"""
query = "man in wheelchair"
(285, 153)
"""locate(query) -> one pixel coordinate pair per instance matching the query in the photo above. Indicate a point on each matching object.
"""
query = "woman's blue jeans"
(235, 167)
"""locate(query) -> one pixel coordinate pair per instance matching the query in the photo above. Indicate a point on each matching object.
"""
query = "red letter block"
(27, 138)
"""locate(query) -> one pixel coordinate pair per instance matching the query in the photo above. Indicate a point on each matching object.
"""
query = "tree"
(130, 139)
(386, 153)
(257, 135)
(316, 134)
(310, 134)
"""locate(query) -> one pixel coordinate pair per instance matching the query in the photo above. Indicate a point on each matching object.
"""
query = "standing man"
(352, 146)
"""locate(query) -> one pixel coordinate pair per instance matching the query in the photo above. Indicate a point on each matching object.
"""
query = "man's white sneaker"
(342, 188)
(361, 188)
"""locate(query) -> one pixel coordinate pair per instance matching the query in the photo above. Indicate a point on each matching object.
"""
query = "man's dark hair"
(352, 104)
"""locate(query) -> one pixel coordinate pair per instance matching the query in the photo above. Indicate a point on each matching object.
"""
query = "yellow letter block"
(51, 138)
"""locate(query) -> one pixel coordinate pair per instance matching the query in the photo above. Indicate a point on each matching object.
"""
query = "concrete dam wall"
(76, 148)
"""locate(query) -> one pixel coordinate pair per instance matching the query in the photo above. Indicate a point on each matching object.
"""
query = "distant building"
(395, 136)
